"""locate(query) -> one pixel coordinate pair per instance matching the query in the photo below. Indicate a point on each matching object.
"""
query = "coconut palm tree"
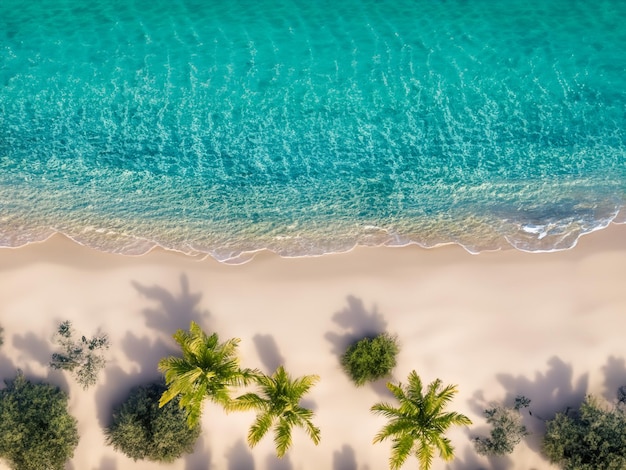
(278, 406)
(208, 369)
(418, 425)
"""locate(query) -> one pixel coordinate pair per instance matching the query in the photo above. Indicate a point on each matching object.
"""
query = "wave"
(529, 235)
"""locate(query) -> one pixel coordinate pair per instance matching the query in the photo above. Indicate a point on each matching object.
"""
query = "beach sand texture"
(549, 326)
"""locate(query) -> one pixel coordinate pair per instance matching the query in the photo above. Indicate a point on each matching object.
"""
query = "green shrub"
(80, 357)
(594, 437)
(507, 430)
(143, 431)
(36, 430)
(370, 358)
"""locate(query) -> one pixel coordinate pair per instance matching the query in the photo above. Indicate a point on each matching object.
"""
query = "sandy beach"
(499, 324)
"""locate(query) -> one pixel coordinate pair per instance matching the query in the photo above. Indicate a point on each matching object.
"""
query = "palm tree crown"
(418, 424)
(208, 369)
(278, 405)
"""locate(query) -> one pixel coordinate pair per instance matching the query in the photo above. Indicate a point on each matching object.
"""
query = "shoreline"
(548, 325)
(63, 241)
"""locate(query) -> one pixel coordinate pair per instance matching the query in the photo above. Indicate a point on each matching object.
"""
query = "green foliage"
(370, 358)
(418, 425)
(278, 406)
(507, 430)
(590, 439)
(208, 369)
(36, 430)
(144, 431)
(81, 357)
(521, 402)
(1, 336)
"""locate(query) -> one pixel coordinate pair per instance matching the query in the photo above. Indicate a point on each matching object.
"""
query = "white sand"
(550, 326)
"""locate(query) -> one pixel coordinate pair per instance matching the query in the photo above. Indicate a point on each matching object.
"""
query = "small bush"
(36, 430)
(370, 358)
(507, 430)
(143, 431)
(592, 438)
(80, 357)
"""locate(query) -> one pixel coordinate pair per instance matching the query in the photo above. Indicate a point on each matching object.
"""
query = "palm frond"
(278, 402)
(444, 446)
(419, 421)
(312, 431)
(386, 410)
(248, 401)
(400, 451)
(303, 384)
(282, 436)
(425, 455)
(414, 387)
(259, 428)
(396, 429)
(455, 419)
(167, 396)
(440, 398)
(396, 390)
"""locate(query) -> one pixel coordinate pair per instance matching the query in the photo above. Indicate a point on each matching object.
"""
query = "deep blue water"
(310, 127)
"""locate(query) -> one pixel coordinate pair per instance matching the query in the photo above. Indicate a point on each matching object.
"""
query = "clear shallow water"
(310, 127)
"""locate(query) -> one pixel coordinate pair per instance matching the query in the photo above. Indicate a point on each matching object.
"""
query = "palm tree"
(418, 424)
(208, 369)
(278, 405)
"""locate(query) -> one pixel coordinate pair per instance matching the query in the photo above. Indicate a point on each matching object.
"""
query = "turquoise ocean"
(309, 127)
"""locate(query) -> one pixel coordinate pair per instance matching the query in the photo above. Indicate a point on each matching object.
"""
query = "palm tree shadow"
(380, 386)
(551, 393)
(40, 351)
(146, 354)
(268, 352)
(200, 458)
(471, 461)
(357, 323)
(34, 348)
(107, 463)
(272, 359)
(173, 312)
(112, 392)
(274, 463)
(614, 377)
(344, 459)
(239, 457)
(7, 368)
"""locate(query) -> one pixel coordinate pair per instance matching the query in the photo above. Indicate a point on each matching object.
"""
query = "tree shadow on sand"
(200, 458)
(39, 350)
(268, 352)
(174, 311)
(357, 322)
(7, 368)
(107, 463)
(614, 377)
(239, 457)
(113, 391)
(550, 393)
(274, 463)
(145, 355)
(344, 459)
(471, 461)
